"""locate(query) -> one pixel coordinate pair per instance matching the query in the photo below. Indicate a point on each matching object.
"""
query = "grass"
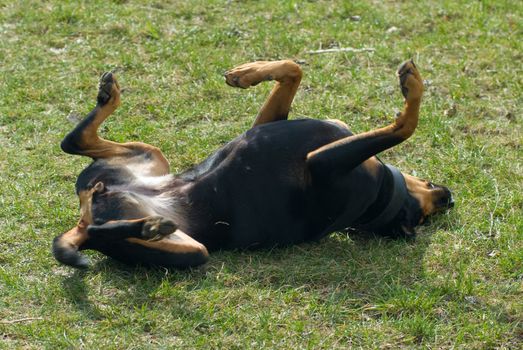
(458, 286)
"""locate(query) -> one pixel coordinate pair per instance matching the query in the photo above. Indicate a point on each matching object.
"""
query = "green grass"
(458, 286)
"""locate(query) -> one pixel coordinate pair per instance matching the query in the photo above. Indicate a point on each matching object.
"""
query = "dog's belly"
(256, 190)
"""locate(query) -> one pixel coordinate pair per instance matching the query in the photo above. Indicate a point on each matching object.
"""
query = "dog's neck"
(391, 198)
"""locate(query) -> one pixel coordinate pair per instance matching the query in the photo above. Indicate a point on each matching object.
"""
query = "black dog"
(281, 182)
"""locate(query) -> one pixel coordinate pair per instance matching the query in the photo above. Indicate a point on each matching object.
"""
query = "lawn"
(458, 286)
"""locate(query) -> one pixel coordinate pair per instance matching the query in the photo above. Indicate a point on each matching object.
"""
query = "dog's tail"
(65, 248)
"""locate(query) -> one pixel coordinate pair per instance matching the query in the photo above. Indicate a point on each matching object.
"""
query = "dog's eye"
(430, 185)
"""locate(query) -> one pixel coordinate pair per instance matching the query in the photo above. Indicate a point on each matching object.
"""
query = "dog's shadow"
(354, 263)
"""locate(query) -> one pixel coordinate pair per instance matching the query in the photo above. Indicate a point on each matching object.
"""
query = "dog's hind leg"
(84, 139)
(345, 154)
(287, 75)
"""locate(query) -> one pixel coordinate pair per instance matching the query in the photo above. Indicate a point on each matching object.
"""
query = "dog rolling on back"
(282, 182)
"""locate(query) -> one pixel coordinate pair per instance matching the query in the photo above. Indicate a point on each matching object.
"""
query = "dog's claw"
(107, 76)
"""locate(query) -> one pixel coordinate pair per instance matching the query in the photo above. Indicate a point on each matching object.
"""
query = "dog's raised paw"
(411, 83)
(249, 74)
(156, 227)
(108, 89)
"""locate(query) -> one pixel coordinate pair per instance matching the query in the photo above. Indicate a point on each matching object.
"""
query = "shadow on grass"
(77, 291)
(358, 266)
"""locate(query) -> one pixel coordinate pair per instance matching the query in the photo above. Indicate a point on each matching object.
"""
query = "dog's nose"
(444, 200)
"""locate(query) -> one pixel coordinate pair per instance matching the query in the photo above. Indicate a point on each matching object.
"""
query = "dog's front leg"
(344, 155)
(151, 241)
(150, 228)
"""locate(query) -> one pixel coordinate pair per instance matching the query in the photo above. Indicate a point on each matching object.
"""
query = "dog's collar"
(392, 196)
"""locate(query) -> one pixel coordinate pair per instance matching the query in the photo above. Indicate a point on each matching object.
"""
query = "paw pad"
(157, 227)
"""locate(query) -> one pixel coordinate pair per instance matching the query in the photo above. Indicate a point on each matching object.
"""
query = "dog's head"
(423, 200)
(99, 203)
(404, 202)
(431, 198)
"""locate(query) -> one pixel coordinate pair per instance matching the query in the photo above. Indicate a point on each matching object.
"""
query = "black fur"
(279, 183)
(256, 191)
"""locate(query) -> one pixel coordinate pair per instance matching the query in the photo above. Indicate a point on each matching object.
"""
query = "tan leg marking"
(287, 75)
(407, 120)
(339, 122)
(177, 242)
(74, 238)
(90, 144)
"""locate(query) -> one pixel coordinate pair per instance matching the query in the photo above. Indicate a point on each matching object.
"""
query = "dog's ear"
(99, 187)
